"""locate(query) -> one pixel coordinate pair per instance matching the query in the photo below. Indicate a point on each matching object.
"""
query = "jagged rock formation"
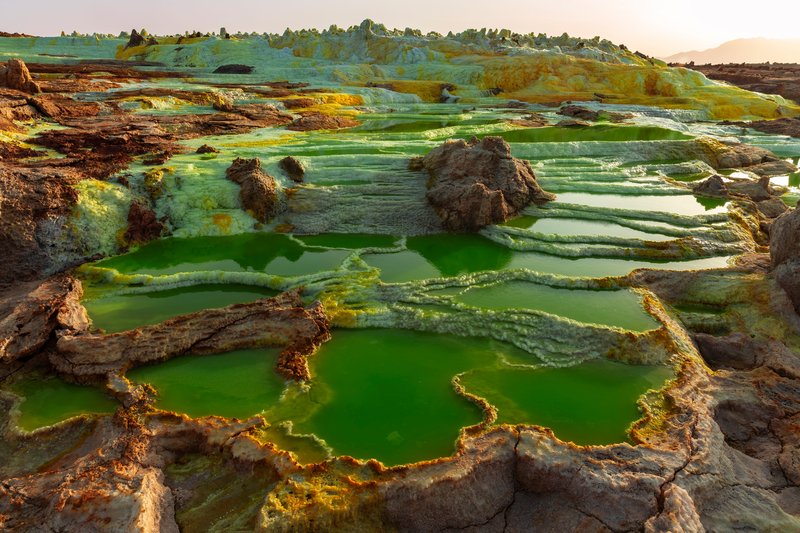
(319, 121)
(477, 183)
(259, 191)
(784, 248)
(143, 225)
(280, 321)
(582, 113)
(15, 75)
(293, 168)
(207, 149)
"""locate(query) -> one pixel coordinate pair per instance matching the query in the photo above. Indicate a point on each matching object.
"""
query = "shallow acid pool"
(436, 256)
(678, 204)
(581, 227)
(50, 400)
(236, 384)
(130, 311)
(273, 253)
(619, 308)
(592, 403)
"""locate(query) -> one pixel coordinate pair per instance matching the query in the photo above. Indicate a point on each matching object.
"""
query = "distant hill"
(759, 50)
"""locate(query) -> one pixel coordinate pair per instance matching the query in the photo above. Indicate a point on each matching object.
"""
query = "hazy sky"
(656, 27)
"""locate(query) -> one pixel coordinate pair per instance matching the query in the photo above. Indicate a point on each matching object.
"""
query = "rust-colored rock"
(775, 78)
(143, 225)
(319, 121)
(476, 183)
(31, 311)
(784, 246)
(15, 75)
(207, 149)
(30, 198)
(280, 321)
(59, 106)
(293, 168)
(259, 191)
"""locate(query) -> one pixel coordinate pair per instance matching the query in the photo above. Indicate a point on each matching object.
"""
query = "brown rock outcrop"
(259, 191)
(29, 199)
(207, 149)
(280, 321)
(143, 225)
(15, 75)
(784, 247)
(712, 186)
(752, 158)
(775, 78)
(476, 183)
(779, 126)
(31, 311)
(293, 168)
(318, 121)
(585, 114)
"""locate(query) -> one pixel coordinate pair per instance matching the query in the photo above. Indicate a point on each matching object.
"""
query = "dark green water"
(129, 311)
(621, 308)
(273, 253)
(51, 400)
(592, 403)
(235, 384)
(387, 394)
(605, 133)
(435, 256)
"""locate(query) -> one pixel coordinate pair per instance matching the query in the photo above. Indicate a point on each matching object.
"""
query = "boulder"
(15, 75)
(207, 149)
(712, 186)
(784, 248)
(143, 225)
(259, 192)
(476, 183)
(293, 168)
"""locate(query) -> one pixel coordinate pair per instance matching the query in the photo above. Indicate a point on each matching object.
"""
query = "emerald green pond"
(236, 384)
(52, 400)
(435, 256)
(605, 133)
(592, 403)
(572, 226)
(620, 308)
(273, 253)
(680, 204)
(129, 311)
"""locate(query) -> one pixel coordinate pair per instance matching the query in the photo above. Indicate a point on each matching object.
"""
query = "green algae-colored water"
(129, 311)
(52, 400)
(451, 255)
(604, 133)
(680, 204)
(620, 308)
(273, 253)
(592, 403)
(387, 394)
(236, 384)
(571, 226)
